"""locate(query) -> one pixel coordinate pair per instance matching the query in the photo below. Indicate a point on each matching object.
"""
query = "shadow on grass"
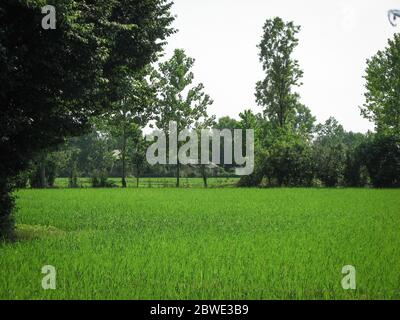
(26, 232)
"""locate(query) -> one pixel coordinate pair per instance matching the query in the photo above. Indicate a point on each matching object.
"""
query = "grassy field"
(204, 244)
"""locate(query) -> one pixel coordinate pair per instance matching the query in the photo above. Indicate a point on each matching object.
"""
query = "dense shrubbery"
(381, 157)
(99, 179)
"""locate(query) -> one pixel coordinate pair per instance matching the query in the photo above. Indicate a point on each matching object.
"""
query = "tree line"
(291, 148)
(292, 151)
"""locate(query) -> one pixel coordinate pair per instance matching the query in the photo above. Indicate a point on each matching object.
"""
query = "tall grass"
(204, 244)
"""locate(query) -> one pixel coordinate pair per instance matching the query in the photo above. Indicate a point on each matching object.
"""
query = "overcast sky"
(335, 40)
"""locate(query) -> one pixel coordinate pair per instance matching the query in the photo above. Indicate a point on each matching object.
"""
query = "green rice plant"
(166, 243)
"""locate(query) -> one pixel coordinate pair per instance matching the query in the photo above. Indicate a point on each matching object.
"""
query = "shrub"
(382, 159)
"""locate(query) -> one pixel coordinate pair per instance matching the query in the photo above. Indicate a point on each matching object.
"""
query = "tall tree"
(131, 114)
(275, 92)
(53, 81)
(285, 130)
(179, 100)
(381, 154)
(382, 104)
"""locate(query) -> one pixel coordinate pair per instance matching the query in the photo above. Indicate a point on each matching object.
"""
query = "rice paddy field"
(228, 243)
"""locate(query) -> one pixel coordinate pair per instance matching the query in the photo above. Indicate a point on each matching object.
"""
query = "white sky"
(336, 39)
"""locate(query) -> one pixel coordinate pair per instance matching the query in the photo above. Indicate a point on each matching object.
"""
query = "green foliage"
(303, 122)
(179, 100)
(227, 123)
(126, 117)
(6, 208)
(47, 85)
(101, 159)
(46, 167)
(285, 129)
(282, 71)
(260, 164)
(22, 179)
(383, 89)
(99, 179)
(92, 155)
(290, 161)
(381, 153)
(381, 156)
(283, 154)
(355, 171)
(330, 153)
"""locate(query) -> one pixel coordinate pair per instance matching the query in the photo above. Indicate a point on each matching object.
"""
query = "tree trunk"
(43, 180)
(123, 159)
(6, 208)
(137, 173)
(73, 177)
(204, 175)
(178, 166)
